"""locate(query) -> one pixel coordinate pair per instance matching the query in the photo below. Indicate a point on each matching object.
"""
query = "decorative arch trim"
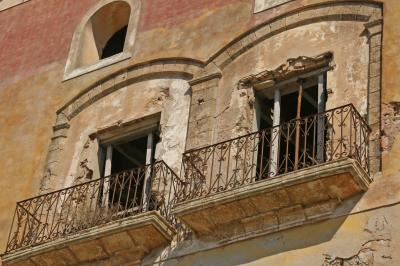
(361, 11)
(183, 66)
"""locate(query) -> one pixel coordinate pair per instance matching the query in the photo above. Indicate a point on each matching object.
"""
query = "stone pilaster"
(57, 144)
(374, 34)
(202, 112)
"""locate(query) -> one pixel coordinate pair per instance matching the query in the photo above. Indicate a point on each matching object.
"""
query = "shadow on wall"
(250, 250)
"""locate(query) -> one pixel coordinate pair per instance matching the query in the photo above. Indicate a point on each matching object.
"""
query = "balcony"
(116, 219)
(277, 178)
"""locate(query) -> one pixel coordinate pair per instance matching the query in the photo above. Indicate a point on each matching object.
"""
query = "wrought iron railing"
(297, 144)
(71, 210)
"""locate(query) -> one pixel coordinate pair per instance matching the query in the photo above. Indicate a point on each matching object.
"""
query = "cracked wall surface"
(361, 239)
(347, 81)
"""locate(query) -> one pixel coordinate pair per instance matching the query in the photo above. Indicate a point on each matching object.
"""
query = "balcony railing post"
(274, 155)
(298, 116)
(321, 119)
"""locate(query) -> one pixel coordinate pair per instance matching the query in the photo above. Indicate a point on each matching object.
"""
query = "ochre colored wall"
(376, 241)
(391, 87)
(34, 44)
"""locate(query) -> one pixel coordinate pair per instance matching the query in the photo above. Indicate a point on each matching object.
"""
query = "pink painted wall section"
(162, 13)
(37, 33)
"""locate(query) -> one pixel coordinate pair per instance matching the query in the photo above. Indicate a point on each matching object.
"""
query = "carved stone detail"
(292, 67)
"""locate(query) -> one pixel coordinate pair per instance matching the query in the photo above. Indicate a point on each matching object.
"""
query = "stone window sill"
(6, 4)
(100, 64)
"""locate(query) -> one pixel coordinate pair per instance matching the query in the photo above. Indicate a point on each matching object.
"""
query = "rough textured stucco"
(348, 78)
(33, 55)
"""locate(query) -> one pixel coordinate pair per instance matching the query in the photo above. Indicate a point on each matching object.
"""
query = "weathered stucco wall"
(33, 55)
(347, 81)
(331, 242)
(169, 97)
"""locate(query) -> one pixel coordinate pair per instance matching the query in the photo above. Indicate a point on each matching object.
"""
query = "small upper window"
(105, 36)
(105, 33)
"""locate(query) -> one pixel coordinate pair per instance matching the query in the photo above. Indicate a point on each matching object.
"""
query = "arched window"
(105, 36)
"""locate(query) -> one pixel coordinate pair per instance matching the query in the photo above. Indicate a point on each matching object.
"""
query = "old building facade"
(214, 132)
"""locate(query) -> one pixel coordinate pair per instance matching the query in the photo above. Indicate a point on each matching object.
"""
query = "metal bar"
(70, 210)
(147, 178)
(274, 154)
(298, 116)
(321, 120)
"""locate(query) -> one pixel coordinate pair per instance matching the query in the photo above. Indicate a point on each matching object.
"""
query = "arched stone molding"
(72, 68)
(361, 11)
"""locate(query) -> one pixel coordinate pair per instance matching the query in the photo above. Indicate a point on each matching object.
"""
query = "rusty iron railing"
(297, 144)
(68, 211)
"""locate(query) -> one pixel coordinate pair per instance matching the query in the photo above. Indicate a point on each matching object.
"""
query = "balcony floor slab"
(123, 241)
(275, 204)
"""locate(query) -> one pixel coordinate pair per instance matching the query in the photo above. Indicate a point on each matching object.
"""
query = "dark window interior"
(128, 191)
(289, 104)
(288, 112)
(115, 44)
(129, 155)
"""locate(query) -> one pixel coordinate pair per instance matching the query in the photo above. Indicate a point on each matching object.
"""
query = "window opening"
(289, 141)
(115, 44)
(128, 187)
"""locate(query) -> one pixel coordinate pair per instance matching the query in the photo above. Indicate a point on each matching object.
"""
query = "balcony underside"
(275, 204)
(123, 241)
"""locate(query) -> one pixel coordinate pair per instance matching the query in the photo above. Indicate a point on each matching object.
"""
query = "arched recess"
(106, 35)
(174, 68)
